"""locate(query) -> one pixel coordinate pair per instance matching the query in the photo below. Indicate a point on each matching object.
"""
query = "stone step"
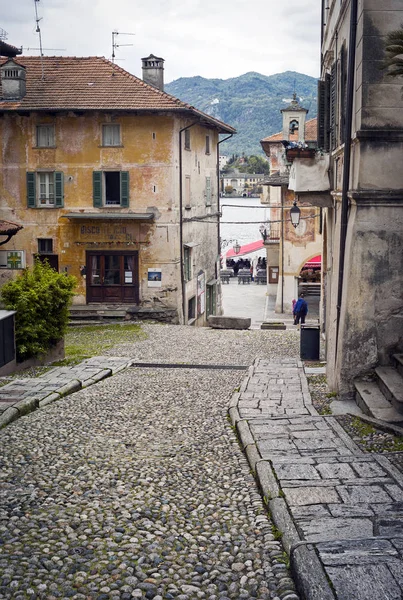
(373, 403)
(391, 385)
(398, 363)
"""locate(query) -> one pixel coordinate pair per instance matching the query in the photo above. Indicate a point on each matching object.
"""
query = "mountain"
(251, 103)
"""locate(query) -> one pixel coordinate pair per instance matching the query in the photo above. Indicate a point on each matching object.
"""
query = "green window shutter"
(59, 195)
(124, 188)
(31, 190)
(97, 188)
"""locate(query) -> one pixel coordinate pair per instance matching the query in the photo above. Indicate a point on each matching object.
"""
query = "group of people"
(245, 263)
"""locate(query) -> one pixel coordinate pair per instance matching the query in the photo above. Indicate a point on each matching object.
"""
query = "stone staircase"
(81, 314)
(381, 396)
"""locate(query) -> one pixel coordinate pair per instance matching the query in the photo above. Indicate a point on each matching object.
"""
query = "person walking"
(300, 310)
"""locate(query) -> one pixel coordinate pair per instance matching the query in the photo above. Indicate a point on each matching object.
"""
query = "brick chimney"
(153, 71)
(13, 80)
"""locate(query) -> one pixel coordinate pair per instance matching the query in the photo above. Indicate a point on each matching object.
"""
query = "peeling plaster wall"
(150, 153)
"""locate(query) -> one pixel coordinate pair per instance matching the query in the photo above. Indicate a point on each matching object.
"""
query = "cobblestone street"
(136, 487)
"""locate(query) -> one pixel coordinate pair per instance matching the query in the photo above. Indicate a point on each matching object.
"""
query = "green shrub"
(41, 298)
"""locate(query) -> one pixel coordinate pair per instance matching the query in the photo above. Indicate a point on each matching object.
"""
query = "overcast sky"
(211, 38)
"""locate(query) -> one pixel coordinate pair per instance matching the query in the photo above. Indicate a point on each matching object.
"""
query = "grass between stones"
(93, 340)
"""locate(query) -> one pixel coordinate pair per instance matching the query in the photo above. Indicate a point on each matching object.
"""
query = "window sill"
(188, 149)
(44, 147)
(188, 207)
(112, 146)
(191, 321)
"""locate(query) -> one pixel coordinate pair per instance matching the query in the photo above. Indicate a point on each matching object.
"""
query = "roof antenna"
(115, 45)
(38, 31)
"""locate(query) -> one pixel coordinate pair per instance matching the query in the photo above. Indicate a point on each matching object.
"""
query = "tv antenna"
(115, 45)
(38, 31)
(3, 35)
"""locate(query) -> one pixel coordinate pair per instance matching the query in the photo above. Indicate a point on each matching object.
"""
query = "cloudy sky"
(211, 38)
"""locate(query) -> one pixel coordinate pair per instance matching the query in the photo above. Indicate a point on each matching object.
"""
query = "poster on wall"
(201, 288)
(154, 278)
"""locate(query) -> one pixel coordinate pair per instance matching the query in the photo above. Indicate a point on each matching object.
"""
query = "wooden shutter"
(124, 188)
(59, 195)
(343, 92)
(31, 190)
(333, 107)
(321, 114)
(97, 188)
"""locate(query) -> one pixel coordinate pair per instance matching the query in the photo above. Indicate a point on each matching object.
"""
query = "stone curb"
(309, 574)
(69, 388)
(267, 481)
(382, 425)
(234, 415)
(53, 397)
(8, 416)
(98, 377)
(26, 406)
(284, 522)
(245, 434)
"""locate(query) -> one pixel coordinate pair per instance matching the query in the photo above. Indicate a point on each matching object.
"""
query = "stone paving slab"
(21, 396)
(340, 511)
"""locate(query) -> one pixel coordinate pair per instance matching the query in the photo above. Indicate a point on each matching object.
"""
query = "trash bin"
(310, 342)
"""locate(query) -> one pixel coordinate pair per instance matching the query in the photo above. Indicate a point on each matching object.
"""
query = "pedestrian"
(300, 310)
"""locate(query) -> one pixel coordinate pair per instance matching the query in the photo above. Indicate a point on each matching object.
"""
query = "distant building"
(242, 183)
(295, 246)
(113, 181)
(223, 160)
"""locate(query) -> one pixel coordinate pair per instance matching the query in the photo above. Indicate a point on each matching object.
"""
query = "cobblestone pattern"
(22, 396)
(330, 501)
(136, 488)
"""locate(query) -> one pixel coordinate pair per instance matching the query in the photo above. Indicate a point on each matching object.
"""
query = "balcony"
(309, 178)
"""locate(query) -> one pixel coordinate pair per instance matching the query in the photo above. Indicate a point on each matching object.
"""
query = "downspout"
(218, 195)
(181, 217)
(282, 250)
(347, 159)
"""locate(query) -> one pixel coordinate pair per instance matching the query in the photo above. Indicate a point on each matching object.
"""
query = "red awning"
(316, 261)
(247, 249)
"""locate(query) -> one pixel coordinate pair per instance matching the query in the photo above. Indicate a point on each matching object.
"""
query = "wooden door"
(112, 277)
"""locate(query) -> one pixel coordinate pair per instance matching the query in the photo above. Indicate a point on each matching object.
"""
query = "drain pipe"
(181, 217)
(218, 197)
(347, 159)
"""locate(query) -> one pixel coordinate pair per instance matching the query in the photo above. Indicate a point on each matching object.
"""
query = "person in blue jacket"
(300, 310)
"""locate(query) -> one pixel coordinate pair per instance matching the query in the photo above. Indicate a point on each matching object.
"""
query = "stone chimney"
(153, 71)
(13, 80)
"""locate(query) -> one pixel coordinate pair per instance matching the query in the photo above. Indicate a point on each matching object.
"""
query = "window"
(111, 135)
(45, 246)
(294, 125)
(208, 191)
(45, 189)
(187, 139)
(207, 144)
(111, 188)
(191, 308)
(45, 136)
(187, 259)
(187, 192)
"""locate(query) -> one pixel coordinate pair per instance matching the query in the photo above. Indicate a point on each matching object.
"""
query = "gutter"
(347, 160)
(181, 217)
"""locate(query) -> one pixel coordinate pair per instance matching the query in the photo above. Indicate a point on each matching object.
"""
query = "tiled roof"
(93, 83)
(311, 134)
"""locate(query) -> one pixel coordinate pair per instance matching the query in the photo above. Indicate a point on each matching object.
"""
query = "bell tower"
(294, 117)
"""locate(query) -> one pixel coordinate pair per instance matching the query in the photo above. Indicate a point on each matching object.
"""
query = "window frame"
(49, 127)
(99, 189)
(44, 248)
(54, 182)
(187, 140)
(208, 191)
(114, 143)
(187, 263)
(208, 144)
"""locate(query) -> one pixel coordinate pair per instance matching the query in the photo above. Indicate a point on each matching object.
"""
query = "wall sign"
(154, 278)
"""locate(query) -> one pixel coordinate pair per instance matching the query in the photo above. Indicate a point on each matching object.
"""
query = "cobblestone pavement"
(340, 510)
(136, 487)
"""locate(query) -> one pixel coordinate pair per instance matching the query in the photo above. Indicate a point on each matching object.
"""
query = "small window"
(187, 139)
(154, 135)
(207, 144)
(191, 308)
(45, 136)
(111, 135)
(187, 257)
(45, 246)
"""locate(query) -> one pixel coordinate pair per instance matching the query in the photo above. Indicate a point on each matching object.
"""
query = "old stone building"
(289, 248)
(358, 180)
(113, 181)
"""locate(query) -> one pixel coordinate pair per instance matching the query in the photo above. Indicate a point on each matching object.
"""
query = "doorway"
(112, 277)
